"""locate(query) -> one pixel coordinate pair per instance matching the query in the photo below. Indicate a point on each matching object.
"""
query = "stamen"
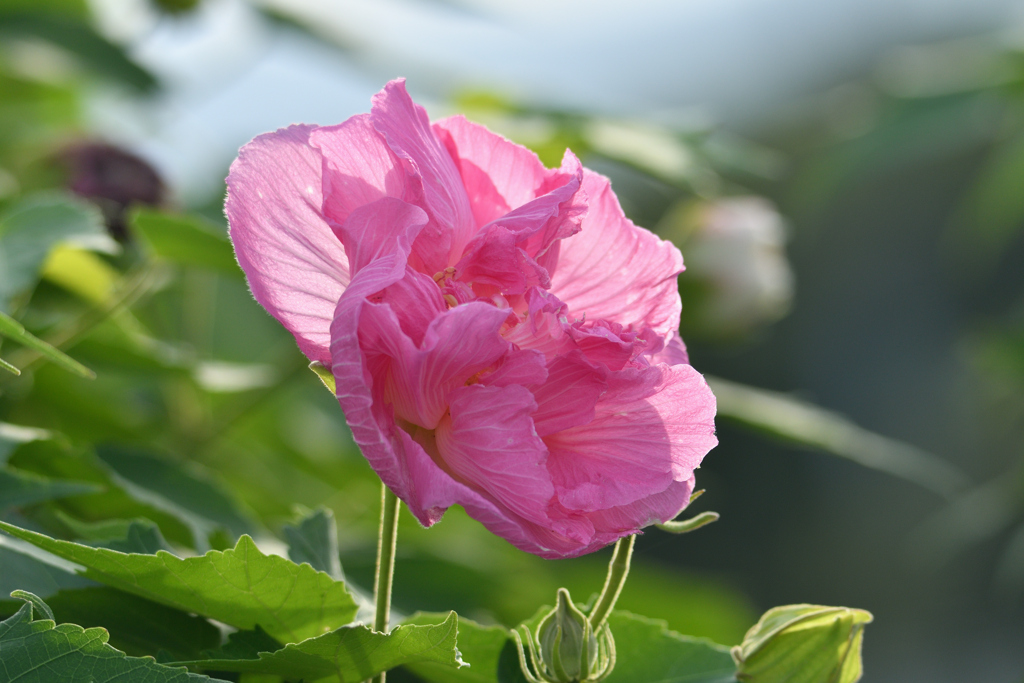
(441, 275)
(452, 301)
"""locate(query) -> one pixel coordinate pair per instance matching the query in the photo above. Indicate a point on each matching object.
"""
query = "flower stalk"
(618, 570)
(386, 540)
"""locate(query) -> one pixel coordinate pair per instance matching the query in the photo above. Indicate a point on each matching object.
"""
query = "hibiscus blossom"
(501, 336)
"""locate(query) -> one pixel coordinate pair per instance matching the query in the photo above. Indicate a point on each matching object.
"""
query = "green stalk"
(618, 570)
(389, 504)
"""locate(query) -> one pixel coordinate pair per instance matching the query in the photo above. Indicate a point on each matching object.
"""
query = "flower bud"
(803, 644)
(569, 649)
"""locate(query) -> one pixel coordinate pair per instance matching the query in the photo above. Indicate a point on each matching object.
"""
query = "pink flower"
(502, 336)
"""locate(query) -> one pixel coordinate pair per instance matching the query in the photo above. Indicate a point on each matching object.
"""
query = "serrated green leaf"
(353, 653)
(32, 228)
(241, 587)
(42, 652)
(137, 626)
(11, 328)
(315, 540)
(186, 240)
(481, 648)
(22, 488)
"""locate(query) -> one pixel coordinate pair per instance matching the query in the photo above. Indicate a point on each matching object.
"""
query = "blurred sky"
(231, 74)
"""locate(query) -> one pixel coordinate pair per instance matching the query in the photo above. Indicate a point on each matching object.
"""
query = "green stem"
(385, 562)
(618, 570)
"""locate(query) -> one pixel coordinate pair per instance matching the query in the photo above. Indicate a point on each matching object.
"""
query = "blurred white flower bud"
(737, 277)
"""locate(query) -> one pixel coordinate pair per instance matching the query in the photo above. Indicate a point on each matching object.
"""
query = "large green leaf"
(647, 652)
(136, 626)
(241, 587)
(808, 425)
(481, 648)
(39, 651)
(23, 488)
(186, 240)
(353, 653)
(315, 540)
(32, 228)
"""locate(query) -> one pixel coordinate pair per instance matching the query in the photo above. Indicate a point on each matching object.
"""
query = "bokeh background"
(846, 181)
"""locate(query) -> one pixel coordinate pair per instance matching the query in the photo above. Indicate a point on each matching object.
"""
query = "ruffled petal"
(498, 174)
(379, 228)
(568, 396)
(488, 442)
(673, 353)
(654, 509)
(616, 271)
(457, 345)
(503, 253)
(406, 129)
(653, 426)
(523, 367)
(296, 267)
(358, 168)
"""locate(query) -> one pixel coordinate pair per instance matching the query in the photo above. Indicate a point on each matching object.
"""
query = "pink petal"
(503, 252)
(674, 352)
(416, 301)
(616, 271)
(523, 367)
(379, 228)
(359, 168)
(406, 128)
(498, 174)
(653, 426)
(494, 258)
(568, 397)
(488, 442)
(371, 421)
(654, 509)
(457, 345)
(296, 267)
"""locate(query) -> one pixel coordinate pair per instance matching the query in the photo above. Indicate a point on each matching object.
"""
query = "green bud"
(570, 651)
(803, 644)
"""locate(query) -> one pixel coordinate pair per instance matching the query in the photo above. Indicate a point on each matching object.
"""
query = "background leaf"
(29, 230)
(809, 425)
(186, 240)
(22, 488)
(315, 540)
